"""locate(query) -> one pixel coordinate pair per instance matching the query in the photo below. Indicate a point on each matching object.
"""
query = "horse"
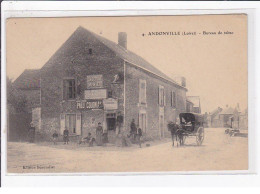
(176, 133)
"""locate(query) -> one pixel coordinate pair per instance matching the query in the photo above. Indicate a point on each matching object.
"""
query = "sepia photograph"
(128, 94)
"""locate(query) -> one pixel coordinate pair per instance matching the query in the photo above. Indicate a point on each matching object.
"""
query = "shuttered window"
(142, 91)
(72, 122)
(78, 123)
(69, 89)
(162, 99)
(173, 99)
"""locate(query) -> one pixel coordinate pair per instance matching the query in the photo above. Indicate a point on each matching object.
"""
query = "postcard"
(127, 94)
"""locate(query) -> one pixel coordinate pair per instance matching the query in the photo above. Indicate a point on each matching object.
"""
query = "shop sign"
(90, 104)
(94, 81)
(96, 94)
(110, 104)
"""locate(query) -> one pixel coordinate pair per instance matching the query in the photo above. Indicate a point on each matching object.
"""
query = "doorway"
(142, 122)
(111, 127)
(111, 124)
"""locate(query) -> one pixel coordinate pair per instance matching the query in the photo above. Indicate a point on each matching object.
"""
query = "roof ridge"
(153, 69)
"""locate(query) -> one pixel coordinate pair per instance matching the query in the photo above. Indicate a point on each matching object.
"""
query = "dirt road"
(218, 152)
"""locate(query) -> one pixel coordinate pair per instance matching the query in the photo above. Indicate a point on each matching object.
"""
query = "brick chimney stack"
(122, 39)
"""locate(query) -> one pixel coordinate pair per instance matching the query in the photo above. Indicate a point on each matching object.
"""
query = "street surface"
(218, 152)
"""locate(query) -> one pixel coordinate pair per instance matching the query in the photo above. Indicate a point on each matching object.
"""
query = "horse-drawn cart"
(191, 124)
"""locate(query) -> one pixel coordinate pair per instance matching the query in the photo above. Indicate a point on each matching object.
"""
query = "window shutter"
(145, 100)
(140, 95)
(62, 123)
(164, 98)
(74, 89)
(64, 90)
(159, 95)
(139, 119)
(78, 123)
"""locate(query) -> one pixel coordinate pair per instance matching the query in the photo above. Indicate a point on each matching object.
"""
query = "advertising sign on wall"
(110, 104)
(96, 94)
(94, 81)
(90, 104)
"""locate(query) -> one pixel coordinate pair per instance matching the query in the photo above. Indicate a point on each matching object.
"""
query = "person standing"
(99, 134)
(139, 136)
(119, 121)
(31, 133)
(66, 136)
(133, 130)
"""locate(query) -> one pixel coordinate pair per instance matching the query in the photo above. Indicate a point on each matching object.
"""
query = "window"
(69, 89)
(142, 91)
(161, 96)
(70, 123)
(173, 99)
(109, 94)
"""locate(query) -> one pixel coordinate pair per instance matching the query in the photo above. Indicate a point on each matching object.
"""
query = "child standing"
(55, 137)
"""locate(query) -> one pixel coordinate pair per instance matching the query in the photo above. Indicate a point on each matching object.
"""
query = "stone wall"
(133, 74)
(73, 60)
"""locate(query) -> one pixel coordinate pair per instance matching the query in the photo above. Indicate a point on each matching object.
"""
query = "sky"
(215, 66)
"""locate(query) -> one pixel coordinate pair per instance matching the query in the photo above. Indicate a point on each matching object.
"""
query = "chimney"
(180, 80)
(122, 39)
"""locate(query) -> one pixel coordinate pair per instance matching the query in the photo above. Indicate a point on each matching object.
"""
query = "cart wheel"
(200, 136)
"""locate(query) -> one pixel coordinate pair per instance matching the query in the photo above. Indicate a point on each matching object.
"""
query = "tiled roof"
(29, 79)
(122, 53)
(131, 57)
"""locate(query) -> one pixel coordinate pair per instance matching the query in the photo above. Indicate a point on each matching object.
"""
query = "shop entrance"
(111, 124)
(111, 127)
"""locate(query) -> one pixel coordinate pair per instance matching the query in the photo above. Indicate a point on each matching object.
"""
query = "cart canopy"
(193, 118)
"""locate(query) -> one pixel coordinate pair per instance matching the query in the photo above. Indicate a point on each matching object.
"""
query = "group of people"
(100, 139)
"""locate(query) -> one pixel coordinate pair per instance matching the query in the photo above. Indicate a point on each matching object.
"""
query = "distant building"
(195, 100)
(213, 118)
(243, 120)
(189, 106)
(228, 117)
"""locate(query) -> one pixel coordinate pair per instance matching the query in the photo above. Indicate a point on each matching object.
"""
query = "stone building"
(91, 79)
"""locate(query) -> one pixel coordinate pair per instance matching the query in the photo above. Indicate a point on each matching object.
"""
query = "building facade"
(228, 117)
(195, 104)
(91, 79)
